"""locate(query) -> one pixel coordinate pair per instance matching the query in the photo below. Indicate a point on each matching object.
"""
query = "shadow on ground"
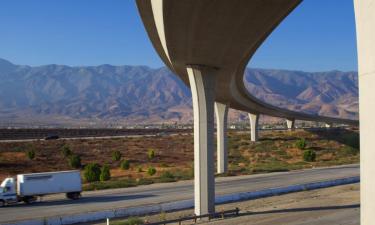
(307, 209)
(344, 136)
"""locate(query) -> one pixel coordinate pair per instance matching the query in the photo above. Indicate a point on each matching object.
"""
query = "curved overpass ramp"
(208, 44)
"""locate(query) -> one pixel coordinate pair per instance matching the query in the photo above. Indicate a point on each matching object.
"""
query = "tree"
(65, 150)
(309, 156)
(301, 143)
(92, 172)
(105, 173)
(125, 164)
(30, 154)
(75, 161)
(116, 155)
(151, 171)
(150, 154)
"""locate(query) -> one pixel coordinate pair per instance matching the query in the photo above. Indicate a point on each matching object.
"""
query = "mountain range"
(59, 94)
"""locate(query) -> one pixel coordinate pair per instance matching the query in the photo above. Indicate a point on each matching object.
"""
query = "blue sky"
(318, 36)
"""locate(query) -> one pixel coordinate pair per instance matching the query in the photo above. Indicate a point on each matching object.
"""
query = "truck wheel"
(73, 195)
(2, 203)
(29, 199)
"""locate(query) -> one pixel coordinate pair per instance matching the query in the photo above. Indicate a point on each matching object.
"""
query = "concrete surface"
(221, 34)
(330, 206)
(202, 84)
(157, 193)
(365, 26)
(221, 115)
(254, 123)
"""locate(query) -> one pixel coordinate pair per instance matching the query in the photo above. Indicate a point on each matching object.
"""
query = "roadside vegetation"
(128, 162)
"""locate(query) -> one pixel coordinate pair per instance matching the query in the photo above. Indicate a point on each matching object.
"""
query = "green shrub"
(301, 143)
(144, 181)
(129, 221)
(75, 161)
(65, 150)
(139, 169)
(150, 154)
(92, 172)
(105, 173)
(309, 156)
(347, 150)
(111, 184)
(352, 140)
(151, 171)
(167, 177)
(116, 155)
(125, 164)
(30, 154)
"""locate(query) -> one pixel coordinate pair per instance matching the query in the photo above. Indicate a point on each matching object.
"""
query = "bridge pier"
(290, 123)
(254, 119)
(365, 23)
(328, 125)
(221, 112)
(202, 83)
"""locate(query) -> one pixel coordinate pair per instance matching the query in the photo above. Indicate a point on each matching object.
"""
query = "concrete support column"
(221, 112)
(365, 26)
(290, 123)
(202, 84)
(328, 125)
(254, 118)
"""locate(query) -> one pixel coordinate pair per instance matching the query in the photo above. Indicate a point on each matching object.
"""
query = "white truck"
(27, 187)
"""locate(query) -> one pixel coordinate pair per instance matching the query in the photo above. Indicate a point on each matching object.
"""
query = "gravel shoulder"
(336, 205)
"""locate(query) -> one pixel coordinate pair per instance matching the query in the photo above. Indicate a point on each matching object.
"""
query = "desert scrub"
(129, 221)
(151, 171)
(309, 156)
(66, 152)
(111, 184)
(125, 165)
(301, 143)
(75, 161)
(116, 155)
(167, 176)
(92, 172)
(105, 173)
(30, 154)
(151, 154)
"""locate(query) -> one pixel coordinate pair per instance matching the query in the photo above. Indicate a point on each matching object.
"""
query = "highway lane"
(157, 193)
(97, 137)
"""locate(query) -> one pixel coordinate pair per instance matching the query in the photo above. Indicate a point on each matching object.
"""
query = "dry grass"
(275, 151)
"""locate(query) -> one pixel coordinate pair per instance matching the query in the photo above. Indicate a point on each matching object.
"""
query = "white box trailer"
(48, 183)
(29, 186)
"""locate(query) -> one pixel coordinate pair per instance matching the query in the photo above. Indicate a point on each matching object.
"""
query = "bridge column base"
(290, 123)
(221, 112)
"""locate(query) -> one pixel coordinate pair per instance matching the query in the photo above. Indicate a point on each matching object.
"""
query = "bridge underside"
(208, 44)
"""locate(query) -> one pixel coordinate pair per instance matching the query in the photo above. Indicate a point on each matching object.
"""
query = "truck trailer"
(27, 187)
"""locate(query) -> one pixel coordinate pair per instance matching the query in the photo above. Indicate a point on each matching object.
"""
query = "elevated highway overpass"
(208, 44)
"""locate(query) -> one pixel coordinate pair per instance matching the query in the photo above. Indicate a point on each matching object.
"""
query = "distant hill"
(139, 94)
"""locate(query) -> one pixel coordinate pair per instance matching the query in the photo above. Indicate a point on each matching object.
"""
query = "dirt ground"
(335, 205)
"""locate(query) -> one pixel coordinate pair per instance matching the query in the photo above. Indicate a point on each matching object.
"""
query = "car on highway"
(51, 137)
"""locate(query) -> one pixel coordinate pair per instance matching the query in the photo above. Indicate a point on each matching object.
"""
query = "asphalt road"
(157, 193)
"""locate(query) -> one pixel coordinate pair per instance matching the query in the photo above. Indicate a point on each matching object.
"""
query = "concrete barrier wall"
(180, 205)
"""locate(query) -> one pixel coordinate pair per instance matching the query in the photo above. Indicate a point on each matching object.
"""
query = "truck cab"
(8, 193)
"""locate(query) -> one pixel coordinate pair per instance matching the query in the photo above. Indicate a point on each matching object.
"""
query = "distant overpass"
(208, 44)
